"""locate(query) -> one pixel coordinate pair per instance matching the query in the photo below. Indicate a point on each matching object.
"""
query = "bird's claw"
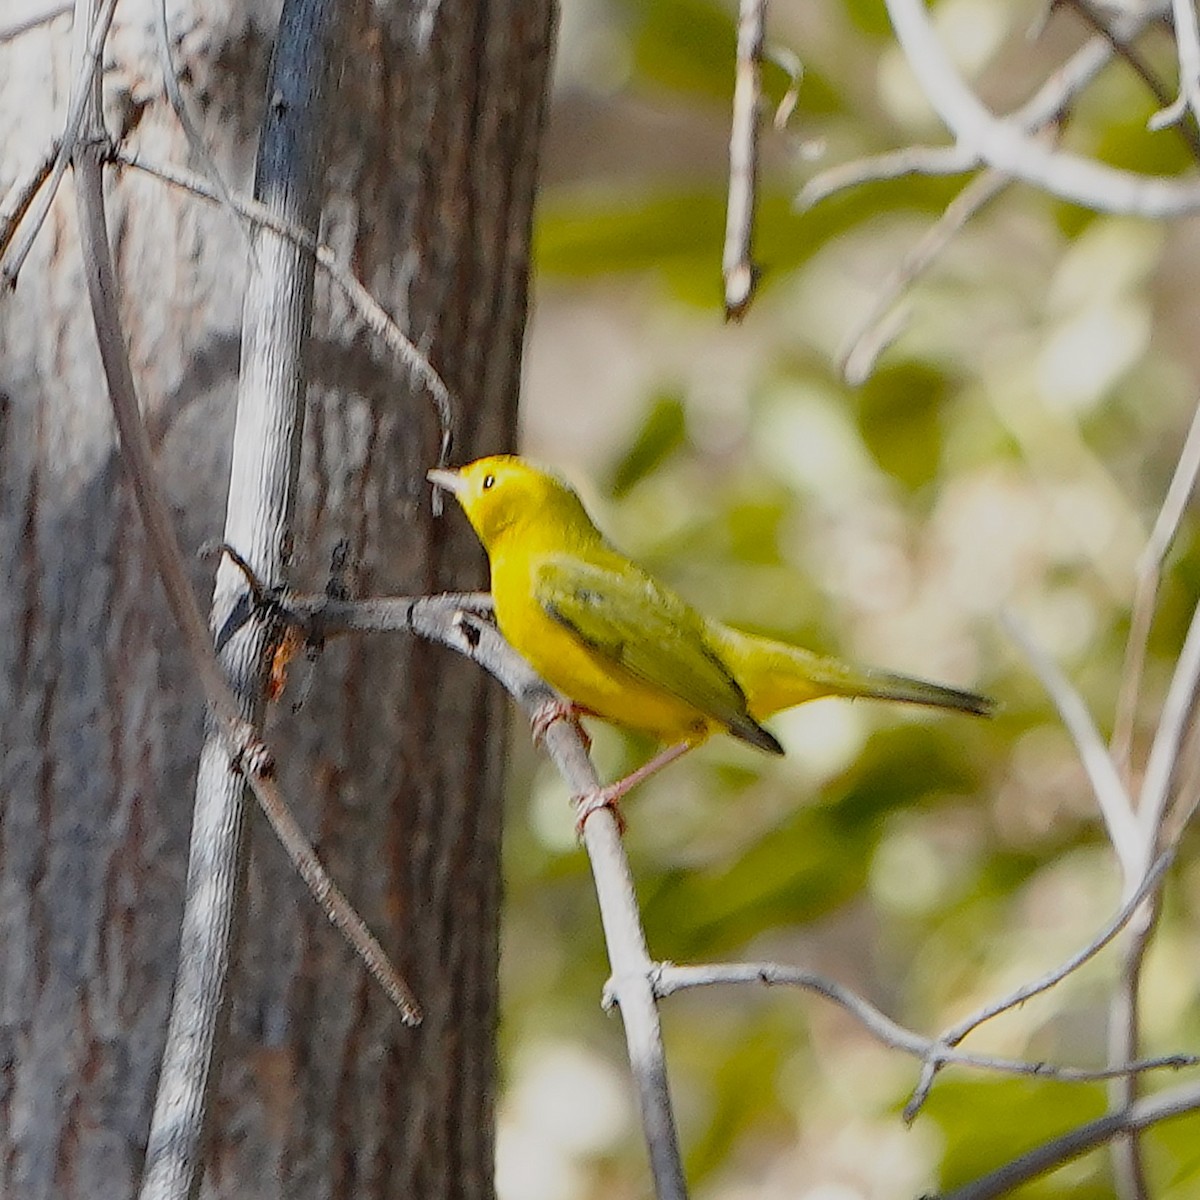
(552, 710)
(587, 803)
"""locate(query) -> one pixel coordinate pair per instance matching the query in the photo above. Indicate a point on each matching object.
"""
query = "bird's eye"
(488, 481)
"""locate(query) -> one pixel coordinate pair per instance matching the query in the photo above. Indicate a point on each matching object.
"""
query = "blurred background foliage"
(1009, 452)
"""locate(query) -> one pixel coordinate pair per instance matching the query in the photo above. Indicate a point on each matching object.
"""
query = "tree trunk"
(393, 762)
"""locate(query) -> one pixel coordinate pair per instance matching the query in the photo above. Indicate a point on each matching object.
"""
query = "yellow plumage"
(624, 647)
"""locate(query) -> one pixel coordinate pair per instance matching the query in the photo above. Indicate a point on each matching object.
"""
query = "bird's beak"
(450, 480)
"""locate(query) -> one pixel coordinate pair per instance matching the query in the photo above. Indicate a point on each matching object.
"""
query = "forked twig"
(956, 1033)
(86, 74)
(1005, 145)
(670, 978)
(875, 332)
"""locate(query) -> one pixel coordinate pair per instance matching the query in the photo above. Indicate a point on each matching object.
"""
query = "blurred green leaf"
(816, 860)
(743, 1068)
(685, 45)
(988, 1121)
(869, 17)
(680, 234)
(661, 434)
(900, 416)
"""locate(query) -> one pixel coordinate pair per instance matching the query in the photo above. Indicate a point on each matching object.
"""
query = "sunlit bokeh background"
(1007, 454)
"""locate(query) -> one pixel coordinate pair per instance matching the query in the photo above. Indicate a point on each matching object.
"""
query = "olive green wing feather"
(649, 631)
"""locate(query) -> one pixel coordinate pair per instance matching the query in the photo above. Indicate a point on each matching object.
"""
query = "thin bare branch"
(9, 33)
(21, 195)
(1121, 41)
(1124, 1036)
(340, 911)
(1187, 46)
(189, 124)
(1006, 146)
(789, 63)
(1049, 103)
(737, 262)
(370, 311)
(87, 73)
(895, 164)
(1172, 724)
(875, 332)
(670, 978)
(1145, 593)
(956, 1033)
(135, 447)
(1116, 807)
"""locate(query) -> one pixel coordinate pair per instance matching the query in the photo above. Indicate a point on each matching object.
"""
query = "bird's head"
(504, 496)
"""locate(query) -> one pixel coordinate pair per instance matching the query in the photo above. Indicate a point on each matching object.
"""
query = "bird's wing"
(626, 616)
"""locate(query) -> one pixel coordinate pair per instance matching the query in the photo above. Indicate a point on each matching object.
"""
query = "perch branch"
(444, 619)
(632, 968)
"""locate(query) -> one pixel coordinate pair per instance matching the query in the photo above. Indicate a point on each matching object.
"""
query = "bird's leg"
(609, 797)
(557, 709)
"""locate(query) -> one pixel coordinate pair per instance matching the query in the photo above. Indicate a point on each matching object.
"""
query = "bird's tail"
(884, 685)
(776, 676)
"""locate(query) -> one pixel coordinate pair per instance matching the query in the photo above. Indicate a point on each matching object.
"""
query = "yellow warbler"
(624, 647)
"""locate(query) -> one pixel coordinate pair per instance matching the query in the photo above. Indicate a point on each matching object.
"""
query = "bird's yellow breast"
(591, 679)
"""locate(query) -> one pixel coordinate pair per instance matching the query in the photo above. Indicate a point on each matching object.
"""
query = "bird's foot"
(587, 803)
(556, 709)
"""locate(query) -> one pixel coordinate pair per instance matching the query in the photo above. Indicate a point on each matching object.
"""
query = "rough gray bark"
(394, 761)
